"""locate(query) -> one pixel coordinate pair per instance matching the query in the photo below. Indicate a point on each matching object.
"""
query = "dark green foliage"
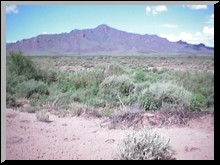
(139, 76)
(198, 102)
(30, 87)
(47, 76)
(148, 103)
(10, 100)
(22, 65)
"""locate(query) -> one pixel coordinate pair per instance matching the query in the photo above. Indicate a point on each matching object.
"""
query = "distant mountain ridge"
(103, 40)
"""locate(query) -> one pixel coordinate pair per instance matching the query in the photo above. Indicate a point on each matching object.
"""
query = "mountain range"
(103, 40)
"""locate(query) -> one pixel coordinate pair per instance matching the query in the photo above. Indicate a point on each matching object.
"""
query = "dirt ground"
(83, 138)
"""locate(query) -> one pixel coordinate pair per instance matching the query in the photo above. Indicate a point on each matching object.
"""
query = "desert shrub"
(139, 87)
(28, 88)
(29, 109)
(81, 80)
(198, 102)
(147, 101)
(25, 66)
(95, 102)
(166, 75)
(196, 82)
(139, 76)
(208, 93)
(152, 77)
(114, 69)
(47, 76)
(42, 115)
(22, 65)
(144, 145)
(12, 80)
(114, 85)
(165, 92)
(10, 100)
(75, 108)
(67, 86)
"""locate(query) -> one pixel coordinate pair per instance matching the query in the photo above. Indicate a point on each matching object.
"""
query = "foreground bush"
(144, 145)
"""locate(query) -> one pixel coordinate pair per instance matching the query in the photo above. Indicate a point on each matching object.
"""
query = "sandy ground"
(83, 138)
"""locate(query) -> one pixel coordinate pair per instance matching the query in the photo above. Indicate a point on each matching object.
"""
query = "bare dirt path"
(84, 138)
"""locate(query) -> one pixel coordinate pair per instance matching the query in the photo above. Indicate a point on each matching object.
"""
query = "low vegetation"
(110, 85)
(144, 145)
(42, 116)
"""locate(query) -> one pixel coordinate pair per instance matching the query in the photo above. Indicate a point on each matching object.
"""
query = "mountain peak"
(181, 42)
(103, 26)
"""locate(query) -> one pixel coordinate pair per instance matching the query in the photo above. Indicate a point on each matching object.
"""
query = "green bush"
(12, 80)
(198, 102)
(81, 81)
(194, 81)
(147, 101)
(10, 100)
(22, 65)
(114, 85)
(197, 82)
(208, 93)
(114, 69)
(95, 102)
(168, 93)
(47, 76)
(139, 76)
(144, 145)
(152, 77)
(30, 87)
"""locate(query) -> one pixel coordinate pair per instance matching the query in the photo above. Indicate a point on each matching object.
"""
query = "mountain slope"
(103, 40)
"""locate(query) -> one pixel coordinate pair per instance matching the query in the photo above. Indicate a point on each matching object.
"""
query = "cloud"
(154, 10)
(170, 37)
(206, 36)
(11, 9)
(211, 19)
(208, 30)
(185, 36)
(196, 7)
(170, 26)
(50, 33)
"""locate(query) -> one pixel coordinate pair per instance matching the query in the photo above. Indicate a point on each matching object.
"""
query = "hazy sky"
(191, 23)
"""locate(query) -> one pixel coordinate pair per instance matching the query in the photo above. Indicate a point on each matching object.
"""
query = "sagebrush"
(144, 145)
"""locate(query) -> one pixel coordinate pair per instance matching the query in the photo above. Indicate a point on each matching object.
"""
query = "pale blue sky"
(193, 24)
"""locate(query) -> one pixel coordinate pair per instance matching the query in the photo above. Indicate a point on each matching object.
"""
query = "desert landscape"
(89, 82)
(91, 126)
